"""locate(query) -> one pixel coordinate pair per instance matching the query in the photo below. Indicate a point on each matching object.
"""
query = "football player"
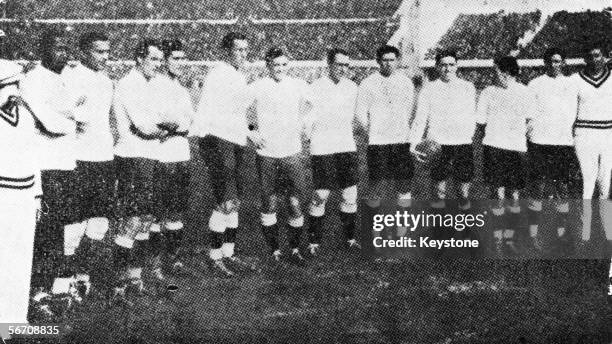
(277, 122)
(592, 137)
(502, 111)
(91, 92)
(550, 146)
(384, 109)
(137, 108)
(173, 171)
(221, 126)
(18, 188)
(45, 91)
(332, 148)
(446, 114)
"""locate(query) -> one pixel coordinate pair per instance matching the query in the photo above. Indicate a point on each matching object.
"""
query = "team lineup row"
(101, 144)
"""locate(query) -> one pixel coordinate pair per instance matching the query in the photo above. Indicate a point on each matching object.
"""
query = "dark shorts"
(277, 175)
(338, 170)
(504, 168)
(136, 186)
(455, 161)
(96, 188)
(391, 162)
(552, 163)
(60, 197)
(224, 160)
(172, 188)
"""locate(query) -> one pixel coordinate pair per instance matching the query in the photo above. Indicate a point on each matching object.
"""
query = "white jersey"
(177, 109)
(18, 165)
(332, 116)
(279, 109)
(137, 111)
(446, 113)
(385, 104)
(505, 112)
(47, 96)
(223, 104)
(552, 122)
(92, 94)
(594, 101)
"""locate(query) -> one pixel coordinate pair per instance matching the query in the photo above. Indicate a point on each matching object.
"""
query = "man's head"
(54, 50)
(339, 62)
(594, 57)
(388, 59)
(149, 57)
(174, 56)
(277, 63)
(554, 60)
(95, 49)
(236, 48)
(506, 69)
(446, 65)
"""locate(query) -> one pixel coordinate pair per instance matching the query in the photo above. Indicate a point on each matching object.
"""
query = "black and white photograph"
(315, 171)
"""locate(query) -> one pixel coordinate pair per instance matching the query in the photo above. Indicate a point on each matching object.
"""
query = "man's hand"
(168, 126)
(81, 127)
(419, 156)
(256, 139)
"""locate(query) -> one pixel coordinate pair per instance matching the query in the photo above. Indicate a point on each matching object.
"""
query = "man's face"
(238, 53)
(555, 66)
(151, 63)
(97, 55)
(388, 64)
(59, 53)
(278, 67)
(339, 68)
(174, 62)
(447, 68)
(595, 59)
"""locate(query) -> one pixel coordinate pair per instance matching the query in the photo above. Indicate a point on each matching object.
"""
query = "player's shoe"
(41, 306)
(219, 268)
(175, 265)
(510, 248)
(82, 285)
(296, 258)
(353, 245)
(243, 264)
(313, 250)
(276, 256)
(536, 245)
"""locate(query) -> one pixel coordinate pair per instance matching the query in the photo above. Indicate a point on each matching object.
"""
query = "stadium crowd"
(195, 9)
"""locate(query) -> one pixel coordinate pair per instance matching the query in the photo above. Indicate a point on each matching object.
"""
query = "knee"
(96, 228)
(217, 222)
(349, 200)
(318, 201)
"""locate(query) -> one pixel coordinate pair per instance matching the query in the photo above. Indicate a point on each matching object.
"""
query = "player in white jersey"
(332, 148)
(91, 90)
(277, 122)
(18, 188)
(552, 159)
(221, 127)
(172, 176)
(137, 109)
(45, 91)
(384, 109)
(592, 137)
(504, 110)
(446, 114)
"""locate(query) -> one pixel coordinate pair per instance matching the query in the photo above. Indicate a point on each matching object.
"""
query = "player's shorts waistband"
(16, 183)
(581, 123)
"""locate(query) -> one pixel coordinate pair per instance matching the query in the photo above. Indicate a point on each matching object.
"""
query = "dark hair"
(170, 45)
(331, 54)
(142, 48)
(507, 64)
(48, 40)
(86, 39)
(445, 53)
(273, 53)
(386, 49)
(550, 52)
(228, 40)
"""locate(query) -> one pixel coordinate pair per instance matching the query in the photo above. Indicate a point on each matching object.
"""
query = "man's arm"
(142, 123)
(419, 125)
(34, 97)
